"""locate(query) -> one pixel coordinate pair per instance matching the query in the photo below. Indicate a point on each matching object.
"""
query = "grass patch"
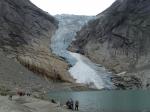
(4, 91)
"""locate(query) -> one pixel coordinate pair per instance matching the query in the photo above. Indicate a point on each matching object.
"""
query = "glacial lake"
(107, 101)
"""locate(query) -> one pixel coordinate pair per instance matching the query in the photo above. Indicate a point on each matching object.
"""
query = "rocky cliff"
(25, 33)
(119, 39)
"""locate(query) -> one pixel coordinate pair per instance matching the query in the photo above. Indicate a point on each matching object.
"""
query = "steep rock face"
(25, 33)
(119, 38)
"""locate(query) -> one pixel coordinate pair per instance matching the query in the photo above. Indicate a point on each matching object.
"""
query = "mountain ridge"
(119, 39)
(25, 36)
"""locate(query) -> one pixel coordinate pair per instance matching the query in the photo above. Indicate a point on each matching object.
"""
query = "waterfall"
(83, 70)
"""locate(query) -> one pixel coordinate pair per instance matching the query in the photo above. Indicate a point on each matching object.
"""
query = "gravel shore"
(28, 104)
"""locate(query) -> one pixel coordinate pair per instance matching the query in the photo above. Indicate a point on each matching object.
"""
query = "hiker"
(68, 104)
(10, 97)
(53, 101)
(72, 104)
(28, 94)
(77, 105)
(19, 93)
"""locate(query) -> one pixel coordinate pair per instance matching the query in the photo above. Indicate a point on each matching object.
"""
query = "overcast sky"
(78, 7)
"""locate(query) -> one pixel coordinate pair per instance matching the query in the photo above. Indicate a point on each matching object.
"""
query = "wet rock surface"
(126, 82)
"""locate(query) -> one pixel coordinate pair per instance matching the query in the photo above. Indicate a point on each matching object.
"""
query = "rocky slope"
(119, 40)
(25, 33)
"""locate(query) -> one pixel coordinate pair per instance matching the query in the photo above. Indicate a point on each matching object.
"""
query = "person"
(28, 94)
(53, 101)
(19, 93)
(71, 104)
(77, 105)
(10, 97)
(68, 104)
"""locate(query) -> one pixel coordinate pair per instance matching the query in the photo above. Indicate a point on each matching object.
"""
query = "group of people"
(19, 93)
(70, 104)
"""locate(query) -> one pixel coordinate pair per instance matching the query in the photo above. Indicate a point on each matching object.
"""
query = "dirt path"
(28, 104)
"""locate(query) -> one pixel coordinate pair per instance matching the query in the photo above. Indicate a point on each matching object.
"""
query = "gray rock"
(25, 33)
(119, 37)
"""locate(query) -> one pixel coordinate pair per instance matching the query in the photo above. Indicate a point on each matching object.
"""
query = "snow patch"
(84, 73)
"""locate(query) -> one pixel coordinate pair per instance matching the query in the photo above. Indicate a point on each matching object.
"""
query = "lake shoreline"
(28, 104)
(107, 101)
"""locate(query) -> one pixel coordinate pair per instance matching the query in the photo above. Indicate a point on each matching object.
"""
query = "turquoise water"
(108, 101)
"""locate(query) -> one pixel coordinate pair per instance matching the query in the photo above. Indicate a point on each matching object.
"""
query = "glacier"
(83, 70)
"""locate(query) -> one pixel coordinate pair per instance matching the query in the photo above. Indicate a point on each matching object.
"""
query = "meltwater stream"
(83, 70)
